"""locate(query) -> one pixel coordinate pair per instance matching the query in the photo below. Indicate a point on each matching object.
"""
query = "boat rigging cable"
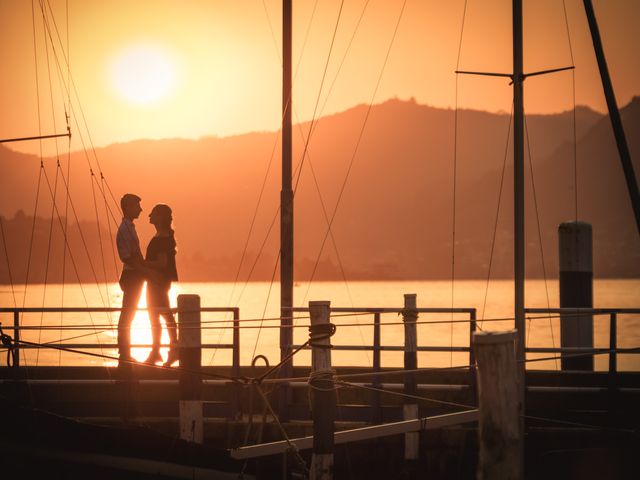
(55, 188)
(273, 151)
(262, 188)
(544, 268)
(42, 170)
(356, 147)
(53, 196)
(307, 140)
(495, 223)
(455, 175)
(573, 89)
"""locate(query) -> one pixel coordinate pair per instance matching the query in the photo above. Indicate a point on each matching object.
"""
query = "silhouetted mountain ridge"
(395, 213)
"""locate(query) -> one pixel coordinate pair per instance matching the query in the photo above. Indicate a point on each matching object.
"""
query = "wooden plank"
(359, 434)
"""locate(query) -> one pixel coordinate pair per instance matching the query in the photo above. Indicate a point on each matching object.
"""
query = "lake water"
(258, 300)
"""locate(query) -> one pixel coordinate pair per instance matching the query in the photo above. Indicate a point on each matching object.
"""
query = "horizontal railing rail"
(19, 345)
(613, 350)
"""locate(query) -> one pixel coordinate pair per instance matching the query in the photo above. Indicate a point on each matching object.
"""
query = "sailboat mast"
(518, 214)
(614, 113)
(286, 194)
(518, 179)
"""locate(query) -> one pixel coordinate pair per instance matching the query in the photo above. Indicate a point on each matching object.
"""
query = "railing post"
(613, 345)
(377, 408)
(576, 290)
(190, 341)
(235, 410)
(410, 407)
(323, 397)
(16, 338)
(501, 445)
(473, 381)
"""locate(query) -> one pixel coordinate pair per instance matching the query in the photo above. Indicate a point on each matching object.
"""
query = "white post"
(323, 395)
(501, 442)
(410, 407)
(190, 341)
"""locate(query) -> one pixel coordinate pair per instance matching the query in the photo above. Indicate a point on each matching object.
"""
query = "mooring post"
(190, 341)
(576, 291)
(410, 406)
(501, 444)
(323, 395)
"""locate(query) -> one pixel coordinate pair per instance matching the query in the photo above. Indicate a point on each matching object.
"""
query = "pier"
(591, 410)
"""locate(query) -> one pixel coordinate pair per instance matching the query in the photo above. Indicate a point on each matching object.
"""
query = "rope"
(455, 176)
(359, 139)
(266, 303)
(575, 135)
(6, 257)
(7, 342)
(240, 380)
(315, 179)
(589, 354)
(544, 268)
(406, 395)
(315, 108)
(582, 425)
(299, 169)
(55, 187)
(292, 447)
(495, 224)
(68, 197)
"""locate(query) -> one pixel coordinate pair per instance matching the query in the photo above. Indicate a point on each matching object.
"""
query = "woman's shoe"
(172, 358)
(153, 358)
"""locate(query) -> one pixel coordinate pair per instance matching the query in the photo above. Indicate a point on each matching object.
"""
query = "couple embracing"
(157, 268)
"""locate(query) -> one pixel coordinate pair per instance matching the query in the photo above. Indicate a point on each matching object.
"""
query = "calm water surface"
(259, 300)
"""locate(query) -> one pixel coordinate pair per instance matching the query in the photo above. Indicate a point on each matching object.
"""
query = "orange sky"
(222, 62)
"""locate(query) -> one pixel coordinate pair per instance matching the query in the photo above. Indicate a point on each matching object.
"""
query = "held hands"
(153, 276)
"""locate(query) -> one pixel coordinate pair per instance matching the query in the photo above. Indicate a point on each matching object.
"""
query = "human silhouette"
(161, 259)
(133, 271)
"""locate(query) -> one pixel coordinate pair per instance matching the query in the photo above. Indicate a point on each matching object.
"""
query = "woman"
(161, 258)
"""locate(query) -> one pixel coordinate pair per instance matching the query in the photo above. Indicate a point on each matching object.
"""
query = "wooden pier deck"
(585, 414)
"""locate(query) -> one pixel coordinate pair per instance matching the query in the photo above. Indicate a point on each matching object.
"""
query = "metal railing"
(17, 328)
(612, 351)
(376, 347)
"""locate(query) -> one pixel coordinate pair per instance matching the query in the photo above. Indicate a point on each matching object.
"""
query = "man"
(133, 277)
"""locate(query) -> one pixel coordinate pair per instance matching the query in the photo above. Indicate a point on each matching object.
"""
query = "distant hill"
(394, 219)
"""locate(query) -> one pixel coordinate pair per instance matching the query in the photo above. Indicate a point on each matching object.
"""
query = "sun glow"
(143, 74)
(141, 328)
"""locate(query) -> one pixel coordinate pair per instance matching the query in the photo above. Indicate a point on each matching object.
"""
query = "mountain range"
(388, 168)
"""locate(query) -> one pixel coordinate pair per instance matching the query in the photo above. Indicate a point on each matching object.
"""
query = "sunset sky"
(192, 68)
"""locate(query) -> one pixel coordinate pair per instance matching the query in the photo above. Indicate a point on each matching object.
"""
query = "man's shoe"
(153, 358)
(125, 360)
(172, 358)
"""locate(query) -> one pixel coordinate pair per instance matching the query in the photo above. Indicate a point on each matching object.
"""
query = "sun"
(143, 74)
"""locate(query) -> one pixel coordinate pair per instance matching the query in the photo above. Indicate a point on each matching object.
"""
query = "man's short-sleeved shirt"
(127, 242)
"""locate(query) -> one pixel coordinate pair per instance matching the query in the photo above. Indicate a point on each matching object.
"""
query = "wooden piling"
(501, 442)
(576, 291)
(410, 406)
(323, 395)
(190, 341)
